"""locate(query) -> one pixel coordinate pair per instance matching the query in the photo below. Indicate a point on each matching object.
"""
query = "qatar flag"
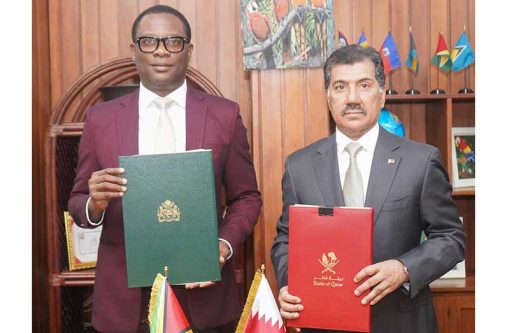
(260, 314)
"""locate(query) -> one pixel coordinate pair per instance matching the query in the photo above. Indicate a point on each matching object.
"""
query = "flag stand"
(391, 91)
(466, 90)
(411, 91)
(438, 91)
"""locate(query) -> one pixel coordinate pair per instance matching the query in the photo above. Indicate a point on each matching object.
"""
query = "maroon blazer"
(111, 130)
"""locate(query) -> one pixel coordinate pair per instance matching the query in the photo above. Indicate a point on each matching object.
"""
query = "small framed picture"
(82, 244)
(463, 157)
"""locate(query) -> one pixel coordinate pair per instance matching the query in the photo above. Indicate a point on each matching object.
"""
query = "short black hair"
(162, 9)
(352, 54)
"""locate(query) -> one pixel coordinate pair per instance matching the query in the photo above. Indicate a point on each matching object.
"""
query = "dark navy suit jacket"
(409, 196)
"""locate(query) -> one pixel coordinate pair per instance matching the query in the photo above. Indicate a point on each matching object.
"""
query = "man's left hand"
(223, 250)
(383, 278)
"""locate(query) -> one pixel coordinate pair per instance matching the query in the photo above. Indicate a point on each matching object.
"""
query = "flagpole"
(390, 91)
(411, 90)
(466, 90)
(437, 90)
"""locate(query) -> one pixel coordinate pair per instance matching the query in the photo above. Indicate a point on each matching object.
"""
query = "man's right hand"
(290, 305)
(104, 185)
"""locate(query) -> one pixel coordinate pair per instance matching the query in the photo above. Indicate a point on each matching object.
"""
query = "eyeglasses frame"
(163, 39)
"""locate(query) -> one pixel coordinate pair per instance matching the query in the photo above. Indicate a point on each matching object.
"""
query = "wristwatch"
(405, 270)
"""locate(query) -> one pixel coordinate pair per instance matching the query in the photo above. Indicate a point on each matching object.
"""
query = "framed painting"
(82, 244)
(463, 157)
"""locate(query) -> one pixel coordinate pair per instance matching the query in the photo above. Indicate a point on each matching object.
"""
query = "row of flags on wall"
(460, 58)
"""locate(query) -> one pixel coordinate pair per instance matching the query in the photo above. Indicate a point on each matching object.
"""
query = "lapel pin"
(390, 161)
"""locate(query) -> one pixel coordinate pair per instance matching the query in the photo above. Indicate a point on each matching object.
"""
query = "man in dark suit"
(404, 181)
(129, 125)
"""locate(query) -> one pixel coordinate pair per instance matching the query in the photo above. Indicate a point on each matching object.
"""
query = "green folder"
(170, 218)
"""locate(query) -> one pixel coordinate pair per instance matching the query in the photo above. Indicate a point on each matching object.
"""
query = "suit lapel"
(326, 170)
(195, 117)
(127, 115)
(386, 159)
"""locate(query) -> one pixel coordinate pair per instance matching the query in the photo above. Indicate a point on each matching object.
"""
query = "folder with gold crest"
(328, 246)
(170, 217)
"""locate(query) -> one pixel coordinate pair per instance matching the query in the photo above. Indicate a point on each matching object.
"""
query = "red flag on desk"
(260, 314)
(165, 313)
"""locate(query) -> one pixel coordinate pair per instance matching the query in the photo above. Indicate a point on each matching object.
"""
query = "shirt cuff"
(88, 216)
(230, 248)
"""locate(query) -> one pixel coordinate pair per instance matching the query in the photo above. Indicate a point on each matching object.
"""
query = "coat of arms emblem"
(328, 261)
(168, 211)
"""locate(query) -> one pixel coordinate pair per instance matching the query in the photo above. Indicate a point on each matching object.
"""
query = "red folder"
(327, 248)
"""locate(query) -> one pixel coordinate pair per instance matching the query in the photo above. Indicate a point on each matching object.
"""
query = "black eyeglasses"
(149, 44)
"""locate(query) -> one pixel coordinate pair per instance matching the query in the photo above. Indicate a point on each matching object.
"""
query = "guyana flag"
(442, 57)
(165, 313)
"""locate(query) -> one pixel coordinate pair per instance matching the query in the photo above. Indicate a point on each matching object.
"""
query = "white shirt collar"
(368, 140)
(146, 96)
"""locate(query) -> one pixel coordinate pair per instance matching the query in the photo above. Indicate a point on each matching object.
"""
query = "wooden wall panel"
(226, 42)
(268, 138)
(90, 33)
(206, 38)
(71, 44)
(317, 117)
(188, 8)
(380, 22)
(361, 19)
(41, 109)
(108, 44)
(127, 13)
(343, 19)
(399, 29)
(294, 110)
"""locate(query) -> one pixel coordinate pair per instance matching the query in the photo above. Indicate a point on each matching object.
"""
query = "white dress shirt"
(364, 157)
(149, 114)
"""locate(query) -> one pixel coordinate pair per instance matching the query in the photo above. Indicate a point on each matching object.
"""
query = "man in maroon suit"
(128, 125)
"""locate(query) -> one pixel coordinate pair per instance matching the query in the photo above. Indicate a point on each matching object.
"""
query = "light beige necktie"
(164, 136)
(353, 185)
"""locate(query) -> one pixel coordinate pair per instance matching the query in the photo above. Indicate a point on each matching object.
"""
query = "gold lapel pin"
(390, 161)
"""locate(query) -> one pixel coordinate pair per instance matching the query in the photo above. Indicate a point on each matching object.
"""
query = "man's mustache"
(354, 107)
